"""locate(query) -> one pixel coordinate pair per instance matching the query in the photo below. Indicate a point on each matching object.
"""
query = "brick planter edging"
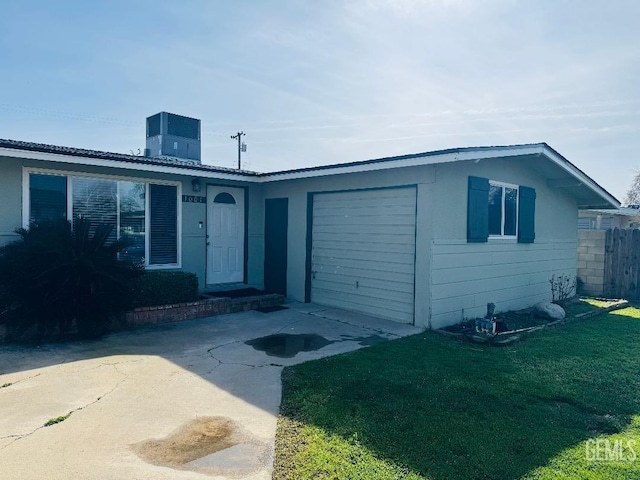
(192, 310)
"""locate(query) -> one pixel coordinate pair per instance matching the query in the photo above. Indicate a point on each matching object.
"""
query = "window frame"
(504, 186)
(69, 174)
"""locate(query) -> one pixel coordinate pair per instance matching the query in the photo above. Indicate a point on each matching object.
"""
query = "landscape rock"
(549, 310)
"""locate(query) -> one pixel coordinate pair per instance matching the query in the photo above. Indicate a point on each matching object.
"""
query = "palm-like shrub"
(56, 279)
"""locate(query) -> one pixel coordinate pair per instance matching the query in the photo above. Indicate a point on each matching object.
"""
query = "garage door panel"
(377, 302)
(359, 273)
(384, 239)
(368, 287)
(363, 245)
(366, 195)
(363, 252)
(389, 205)
(401, 300)
(366, 255)
(329, 264)
(381, 309)
(373, 230)
(338, 221)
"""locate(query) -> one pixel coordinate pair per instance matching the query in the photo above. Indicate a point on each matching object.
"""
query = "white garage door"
(363, 252)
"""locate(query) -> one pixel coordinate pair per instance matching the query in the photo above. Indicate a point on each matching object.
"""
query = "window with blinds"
(163, 224)
(131, 219)
(121, 204)
(48, 197)
(96, 200)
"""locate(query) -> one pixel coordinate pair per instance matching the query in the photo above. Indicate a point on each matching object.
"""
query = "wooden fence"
(622, 264)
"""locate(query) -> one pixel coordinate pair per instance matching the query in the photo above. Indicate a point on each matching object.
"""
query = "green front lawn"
(431, 407)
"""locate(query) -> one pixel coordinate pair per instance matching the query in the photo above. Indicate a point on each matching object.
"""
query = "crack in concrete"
(223, 345)
(112, 364)
(220, 362)
(20, 436)
(23, 379)
(364, 327)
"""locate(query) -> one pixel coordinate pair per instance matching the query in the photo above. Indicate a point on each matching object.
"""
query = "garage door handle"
(313, 274)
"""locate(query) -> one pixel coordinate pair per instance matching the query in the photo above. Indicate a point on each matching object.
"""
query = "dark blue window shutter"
(478, 210)
(527, 215)
(163, 225)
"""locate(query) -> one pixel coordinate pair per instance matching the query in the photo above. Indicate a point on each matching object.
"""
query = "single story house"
(427, 239)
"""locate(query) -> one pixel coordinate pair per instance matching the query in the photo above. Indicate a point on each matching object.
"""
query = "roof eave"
(128, 165)
(608, 199)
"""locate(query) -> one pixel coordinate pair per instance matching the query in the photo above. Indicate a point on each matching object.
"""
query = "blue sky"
(322, 82)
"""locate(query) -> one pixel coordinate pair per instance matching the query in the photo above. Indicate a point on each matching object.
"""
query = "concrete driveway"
(180, 401)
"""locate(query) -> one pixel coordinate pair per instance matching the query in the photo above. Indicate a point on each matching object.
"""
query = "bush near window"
(165, 288)
(57, 280)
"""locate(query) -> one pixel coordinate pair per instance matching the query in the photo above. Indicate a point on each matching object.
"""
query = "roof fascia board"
(97, 162)
(582, 177)
(501, 152)
(365, 167)
(426, 159)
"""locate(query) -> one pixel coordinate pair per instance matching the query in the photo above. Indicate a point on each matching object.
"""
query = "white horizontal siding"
(467, 276)
(363, 252)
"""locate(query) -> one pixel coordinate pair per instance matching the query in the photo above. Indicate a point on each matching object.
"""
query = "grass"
(586, 304)
(53, 421)
(429, 407)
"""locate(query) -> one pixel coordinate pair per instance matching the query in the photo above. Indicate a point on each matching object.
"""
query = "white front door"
(225, 232)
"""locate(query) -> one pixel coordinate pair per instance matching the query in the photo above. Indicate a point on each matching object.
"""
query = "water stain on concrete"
(285, 345)
(210, 445)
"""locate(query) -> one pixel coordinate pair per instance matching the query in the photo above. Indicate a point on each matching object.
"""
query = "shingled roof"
(121, 157)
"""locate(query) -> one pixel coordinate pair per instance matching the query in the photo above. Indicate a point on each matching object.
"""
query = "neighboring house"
(604, 219)
(428, 239)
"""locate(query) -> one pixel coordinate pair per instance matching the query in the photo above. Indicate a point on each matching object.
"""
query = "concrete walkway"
(187, 400)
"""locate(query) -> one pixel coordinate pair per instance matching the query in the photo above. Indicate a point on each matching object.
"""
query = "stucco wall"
(591, 258)
(193, 238)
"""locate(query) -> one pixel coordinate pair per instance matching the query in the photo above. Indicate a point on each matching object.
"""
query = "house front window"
(145, 213)
(503, 210)
(48, 197)
(500, 210)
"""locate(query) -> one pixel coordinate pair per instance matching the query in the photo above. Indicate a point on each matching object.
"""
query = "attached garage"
(363, 246)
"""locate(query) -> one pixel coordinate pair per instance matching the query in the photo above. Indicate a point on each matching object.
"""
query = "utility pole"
(241, 146)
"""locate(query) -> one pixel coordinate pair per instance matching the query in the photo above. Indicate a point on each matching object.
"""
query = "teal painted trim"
(526, 215)
(478, 210)
(307, 277)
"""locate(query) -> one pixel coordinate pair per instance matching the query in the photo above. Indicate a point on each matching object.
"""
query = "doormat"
(243, 292)
(274, 308)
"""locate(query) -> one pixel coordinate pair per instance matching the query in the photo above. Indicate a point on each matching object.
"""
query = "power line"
(241, 147)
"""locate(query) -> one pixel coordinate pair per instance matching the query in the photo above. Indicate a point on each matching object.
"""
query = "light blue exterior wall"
(466, 276)
(193, 238)
(10, 198)
(454, 279)
(296, 191)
